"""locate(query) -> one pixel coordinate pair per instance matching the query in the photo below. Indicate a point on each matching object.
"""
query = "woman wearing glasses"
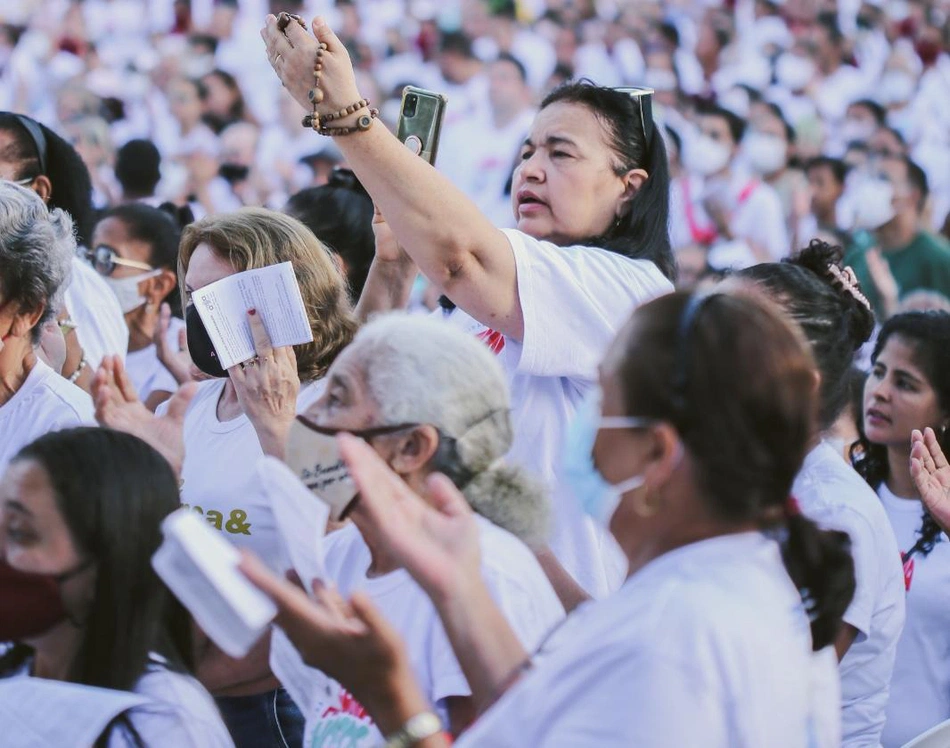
(590, 198)
(36, 251)
(35, 157)
(135, 249)
(687, 451)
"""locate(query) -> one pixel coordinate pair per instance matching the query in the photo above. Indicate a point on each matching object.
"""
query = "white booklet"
(38, 713)
(273, 291)
(200, 568)
(301, 520)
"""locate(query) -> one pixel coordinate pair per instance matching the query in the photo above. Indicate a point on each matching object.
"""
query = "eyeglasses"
(365, 434)
(105, 259)
(644, 98)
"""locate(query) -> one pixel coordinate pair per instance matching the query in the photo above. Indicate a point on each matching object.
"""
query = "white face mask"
(873, 202)
(704, 156)
(896, 87)
(660, 80)
(856, 130)
(126, 290)
(765, 153)
(794, 72)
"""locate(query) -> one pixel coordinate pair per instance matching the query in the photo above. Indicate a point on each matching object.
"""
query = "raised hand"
(292, 53)
(931, 474)
(267, 388)
(118, 407)
(349, 641)
(437, 544)
(177, 361)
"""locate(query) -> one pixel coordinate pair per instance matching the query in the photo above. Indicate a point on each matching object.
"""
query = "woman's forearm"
(387, 288)
(485, 645)
(435, 222)
(445, 234)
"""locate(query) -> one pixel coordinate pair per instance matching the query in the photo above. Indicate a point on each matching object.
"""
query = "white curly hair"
(421, 370)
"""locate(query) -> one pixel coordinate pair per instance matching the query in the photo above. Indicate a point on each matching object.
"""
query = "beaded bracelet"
(317, 122)
(83, 363)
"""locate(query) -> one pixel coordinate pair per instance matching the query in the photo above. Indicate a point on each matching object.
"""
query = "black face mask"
(200, 347)
(234, 172)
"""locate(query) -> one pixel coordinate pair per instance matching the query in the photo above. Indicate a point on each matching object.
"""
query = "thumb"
(178, 405)
(325, 34)
(364, 609)
(446, 498)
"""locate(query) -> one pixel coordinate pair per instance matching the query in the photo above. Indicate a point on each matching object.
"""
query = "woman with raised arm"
(590, 197)
(687, 451)
(908, 390)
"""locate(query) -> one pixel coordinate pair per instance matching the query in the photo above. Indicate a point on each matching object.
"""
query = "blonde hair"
(253, 238)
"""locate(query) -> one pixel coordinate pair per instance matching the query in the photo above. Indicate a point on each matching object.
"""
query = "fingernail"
(252, 312)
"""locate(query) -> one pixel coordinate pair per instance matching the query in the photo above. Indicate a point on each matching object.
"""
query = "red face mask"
(31, 604)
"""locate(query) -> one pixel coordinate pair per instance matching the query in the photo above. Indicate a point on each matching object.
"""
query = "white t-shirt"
(100, 323)
(920, 689)
(755, 215)
(574, 299)
(220, 459)
(180, 711)
(147, 373)
(833, 495)
(46, 402)
(708, 645)
(517, 585)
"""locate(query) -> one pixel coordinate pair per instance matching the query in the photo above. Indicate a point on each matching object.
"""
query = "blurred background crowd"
(783, 120)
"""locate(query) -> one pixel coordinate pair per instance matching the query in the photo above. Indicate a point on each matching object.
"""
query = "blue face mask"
(598, 498)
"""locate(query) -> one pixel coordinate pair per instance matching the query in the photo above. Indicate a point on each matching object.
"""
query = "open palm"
(931, 473)
(437, 544)
(118, 407)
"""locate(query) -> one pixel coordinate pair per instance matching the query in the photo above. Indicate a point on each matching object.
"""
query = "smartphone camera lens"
(409, 110)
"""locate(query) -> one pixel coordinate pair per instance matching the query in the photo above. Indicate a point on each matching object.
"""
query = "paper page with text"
(301, 520)
(273, 291)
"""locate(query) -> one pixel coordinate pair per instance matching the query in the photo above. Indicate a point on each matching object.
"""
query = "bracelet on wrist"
(317, 122)
(83, 363)
(417, 728)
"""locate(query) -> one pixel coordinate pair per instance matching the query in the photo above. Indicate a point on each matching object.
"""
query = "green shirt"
(922, 264)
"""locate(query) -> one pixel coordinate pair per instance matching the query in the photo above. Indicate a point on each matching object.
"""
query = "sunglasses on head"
(105, 260)
(644, 98)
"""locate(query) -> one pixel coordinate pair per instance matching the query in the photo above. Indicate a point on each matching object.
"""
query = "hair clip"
(848, 282)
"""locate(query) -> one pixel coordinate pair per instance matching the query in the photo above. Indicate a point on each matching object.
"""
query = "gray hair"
(37, 246)
(420, 370)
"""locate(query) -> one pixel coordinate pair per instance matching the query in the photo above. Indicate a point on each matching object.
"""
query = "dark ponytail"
(821, 566)
(643, 232)
(735, 381)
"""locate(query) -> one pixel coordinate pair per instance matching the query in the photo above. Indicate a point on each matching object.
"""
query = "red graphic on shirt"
(494, 340)
(908, 573)
(348, 705)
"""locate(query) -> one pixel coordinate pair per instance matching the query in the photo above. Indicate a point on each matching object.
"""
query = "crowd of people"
(641, 390)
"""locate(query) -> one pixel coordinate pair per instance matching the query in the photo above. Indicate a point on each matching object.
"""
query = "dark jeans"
(263, 720)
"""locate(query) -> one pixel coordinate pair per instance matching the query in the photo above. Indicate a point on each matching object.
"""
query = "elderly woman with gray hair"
(430, 400)
(36, 252)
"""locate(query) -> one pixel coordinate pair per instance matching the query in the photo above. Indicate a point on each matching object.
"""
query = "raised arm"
(452, 243)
